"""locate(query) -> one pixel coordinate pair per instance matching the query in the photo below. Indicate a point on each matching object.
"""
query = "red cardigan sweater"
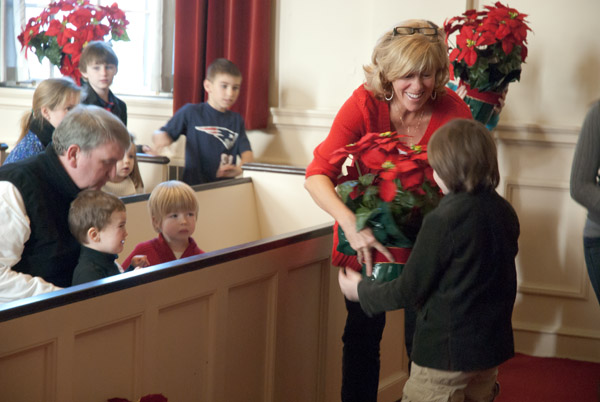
(158, 251)
(361, 114)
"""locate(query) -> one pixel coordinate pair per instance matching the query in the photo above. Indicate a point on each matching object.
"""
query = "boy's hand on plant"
(349, 280)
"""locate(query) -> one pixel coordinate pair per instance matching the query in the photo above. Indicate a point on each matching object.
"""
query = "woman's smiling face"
(414, 90)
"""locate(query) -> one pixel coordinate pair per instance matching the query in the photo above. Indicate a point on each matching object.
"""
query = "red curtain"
(238, 30)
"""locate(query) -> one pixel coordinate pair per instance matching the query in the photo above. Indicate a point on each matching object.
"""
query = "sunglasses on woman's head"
(412, 30)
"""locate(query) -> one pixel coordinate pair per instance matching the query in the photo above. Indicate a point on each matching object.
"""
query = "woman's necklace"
(408, 126)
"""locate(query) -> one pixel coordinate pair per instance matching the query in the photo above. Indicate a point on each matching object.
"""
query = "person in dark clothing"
(460, 277)
(38, 252)
(215, 135)
(97, 220)
(99, 65)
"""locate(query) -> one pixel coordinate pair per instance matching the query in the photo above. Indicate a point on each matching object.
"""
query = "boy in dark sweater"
(460, 277)
(97, 220)
(99, 65)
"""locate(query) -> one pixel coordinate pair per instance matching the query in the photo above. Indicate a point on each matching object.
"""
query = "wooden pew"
(226, 217)
(258, 321)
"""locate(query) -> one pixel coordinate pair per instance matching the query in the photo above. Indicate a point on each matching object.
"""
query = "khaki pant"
(431, 385)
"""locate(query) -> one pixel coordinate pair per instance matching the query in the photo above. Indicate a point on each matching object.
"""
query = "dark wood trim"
(221, 183)
(198, 187)
(116, 283)
(266, 167)
(157, 159)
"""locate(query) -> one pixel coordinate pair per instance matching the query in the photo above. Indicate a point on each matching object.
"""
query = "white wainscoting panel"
(556, 312)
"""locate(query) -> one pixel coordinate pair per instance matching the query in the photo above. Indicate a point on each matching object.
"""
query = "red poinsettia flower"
(409, 166)
(483, 34)
(81, 23)
(468, 40)
(376, 142)
(115, 12)
(394, 195)
(80, 17)
(55, 28)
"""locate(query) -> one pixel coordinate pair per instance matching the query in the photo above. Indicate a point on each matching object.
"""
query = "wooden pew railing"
(258, 321)
(246, 323)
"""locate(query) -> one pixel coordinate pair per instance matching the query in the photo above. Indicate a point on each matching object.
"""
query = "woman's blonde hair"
(51, 93)
(396, 56)
(168, 197)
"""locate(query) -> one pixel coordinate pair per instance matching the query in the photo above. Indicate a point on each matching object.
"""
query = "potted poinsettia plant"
(489, 49)
(64, 27)
(390, 188)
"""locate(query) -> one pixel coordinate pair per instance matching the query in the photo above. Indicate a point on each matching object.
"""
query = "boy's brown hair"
(463, 154)
(97, 52)
(222, 66)
(168, 197)
(92, 208)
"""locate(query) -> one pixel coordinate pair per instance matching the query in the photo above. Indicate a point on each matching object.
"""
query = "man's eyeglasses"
(411, 31)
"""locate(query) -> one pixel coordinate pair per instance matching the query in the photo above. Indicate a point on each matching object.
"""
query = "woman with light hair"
(404, 91)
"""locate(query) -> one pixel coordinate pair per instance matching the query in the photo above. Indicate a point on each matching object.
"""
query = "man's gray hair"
(89, 127)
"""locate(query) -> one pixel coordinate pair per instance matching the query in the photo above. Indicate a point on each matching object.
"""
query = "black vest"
(47, 190)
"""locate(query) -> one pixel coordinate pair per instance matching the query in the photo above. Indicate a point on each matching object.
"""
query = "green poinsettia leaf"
(124, 37)
(370, 198)
(363, 215)
(345, 189)
(387, 231)
(36, 43)
(367, 179)
(387, 220)
(53, 52)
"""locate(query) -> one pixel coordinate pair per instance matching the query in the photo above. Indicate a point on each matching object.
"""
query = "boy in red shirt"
(174, 209)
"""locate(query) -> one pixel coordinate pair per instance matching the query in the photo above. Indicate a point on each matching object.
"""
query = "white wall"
(319, 48)
(318, 59)
(317, 64)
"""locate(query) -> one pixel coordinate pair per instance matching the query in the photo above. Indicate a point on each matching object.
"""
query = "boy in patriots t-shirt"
(215, 135)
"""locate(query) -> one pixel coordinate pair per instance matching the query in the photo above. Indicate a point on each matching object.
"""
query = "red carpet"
(536, 379)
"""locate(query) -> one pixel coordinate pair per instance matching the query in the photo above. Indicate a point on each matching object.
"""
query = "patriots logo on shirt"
(225, 135)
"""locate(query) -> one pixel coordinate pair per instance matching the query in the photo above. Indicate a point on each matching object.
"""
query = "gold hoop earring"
(433, 95)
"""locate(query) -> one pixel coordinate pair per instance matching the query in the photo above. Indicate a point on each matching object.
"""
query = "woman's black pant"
(360, 360)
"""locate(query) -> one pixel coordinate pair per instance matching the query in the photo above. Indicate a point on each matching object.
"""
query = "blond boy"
(174, 209)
